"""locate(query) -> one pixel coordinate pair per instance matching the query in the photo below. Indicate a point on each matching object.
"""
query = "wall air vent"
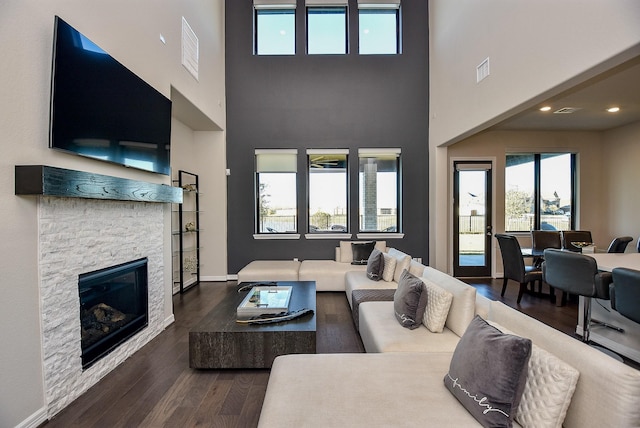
(567, 110)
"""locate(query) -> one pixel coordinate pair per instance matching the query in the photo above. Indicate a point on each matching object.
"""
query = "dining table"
(608, 261)
(627, 341)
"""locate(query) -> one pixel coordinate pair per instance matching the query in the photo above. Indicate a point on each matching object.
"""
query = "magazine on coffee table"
(265, 300)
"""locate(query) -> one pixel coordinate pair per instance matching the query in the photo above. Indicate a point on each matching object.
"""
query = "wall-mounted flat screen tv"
(102, 110)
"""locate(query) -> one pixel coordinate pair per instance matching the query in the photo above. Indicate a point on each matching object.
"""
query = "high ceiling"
(618, 87)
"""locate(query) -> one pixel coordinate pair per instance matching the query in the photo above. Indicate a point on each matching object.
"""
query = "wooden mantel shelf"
(51, 181)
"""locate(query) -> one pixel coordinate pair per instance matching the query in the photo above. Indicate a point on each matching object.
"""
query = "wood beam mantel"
(51, 181)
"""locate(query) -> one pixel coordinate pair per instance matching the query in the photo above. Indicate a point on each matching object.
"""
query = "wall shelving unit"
(186, 234)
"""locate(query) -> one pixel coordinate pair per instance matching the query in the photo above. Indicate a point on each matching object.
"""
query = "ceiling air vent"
(567, 110)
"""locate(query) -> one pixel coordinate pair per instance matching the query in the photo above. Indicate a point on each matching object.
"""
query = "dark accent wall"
(325, 101)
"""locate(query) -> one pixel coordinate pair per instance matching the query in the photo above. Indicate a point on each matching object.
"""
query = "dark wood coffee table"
(218, 342)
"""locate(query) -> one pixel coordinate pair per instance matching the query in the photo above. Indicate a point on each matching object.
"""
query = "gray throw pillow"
(410, 300)
(488, 372)
(375, 265)
(361, 252)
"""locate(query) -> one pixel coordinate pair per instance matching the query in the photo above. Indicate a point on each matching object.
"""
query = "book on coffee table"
(265, 300)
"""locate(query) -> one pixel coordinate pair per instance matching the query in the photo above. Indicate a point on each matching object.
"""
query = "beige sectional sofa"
(399, 381)
(329, 275)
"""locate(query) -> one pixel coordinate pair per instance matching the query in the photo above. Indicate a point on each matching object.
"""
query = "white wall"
(129, 31)
(621, 198)
(536, 48)
(204, 153)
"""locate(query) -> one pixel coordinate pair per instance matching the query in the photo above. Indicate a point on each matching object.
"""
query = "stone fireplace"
(86, 235)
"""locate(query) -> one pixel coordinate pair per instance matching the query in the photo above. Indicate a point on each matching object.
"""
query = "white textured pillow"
(389, 267)
(438, 304)
(403, 261)
(548, 391)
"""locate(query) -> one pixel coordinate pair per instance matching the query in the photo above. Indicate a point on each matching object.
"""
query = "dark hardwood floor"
(156, 388)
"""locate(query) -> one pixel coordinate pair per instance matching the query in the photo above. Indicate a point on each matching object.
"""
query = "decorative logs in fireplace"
(99, 321)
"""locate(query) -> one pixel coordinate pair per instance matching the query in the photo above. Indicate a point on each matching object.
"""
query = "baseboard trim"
(214, 278)
(169, 320)
(232, 277)
(35, 420)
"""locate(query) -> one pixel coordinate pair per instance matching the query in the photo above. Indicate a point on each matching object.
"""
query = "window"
(328, 191)
(539, 192)
(276, 207)
(379, 190)
(378, 27)
(326, 27)
(275, 25)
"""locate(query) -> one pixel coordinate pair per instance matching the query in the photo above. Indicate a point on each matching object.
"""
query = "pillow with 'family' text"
(487, 373)
(375, 265)
(409, 300)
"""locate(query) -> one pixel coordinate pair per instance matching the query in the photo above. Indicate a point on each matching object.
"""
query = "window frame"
(328, 233)
(537, 191)
(378, 153)
(380, 9)
(290, 167)
(283, 8)
(345, 9)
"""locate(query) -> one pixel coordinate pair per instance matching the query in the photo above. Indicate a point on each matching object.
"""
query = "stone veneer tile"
(83, 235)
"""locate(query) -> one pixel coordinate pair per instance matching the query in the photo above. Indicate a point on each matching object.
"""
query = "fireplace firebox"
(113, 307)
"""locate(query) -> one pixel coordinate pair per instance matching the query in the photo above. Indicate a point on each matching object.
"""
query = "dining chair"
(576, 274)
(625, 293)
(569, 236)
(514, 267)
(541, 240)
(619, 245)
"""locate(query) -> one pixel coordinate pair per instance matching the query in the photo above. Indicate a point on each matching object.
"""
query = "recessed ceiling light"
(613, 109)
(545, 108)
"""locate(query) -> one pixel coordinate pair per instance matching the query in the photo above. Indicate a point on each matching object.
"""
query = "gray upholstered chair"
(541, 240)
(514, 267)
(576, 274)
(569, 236)
(619, 245)
(625, 293)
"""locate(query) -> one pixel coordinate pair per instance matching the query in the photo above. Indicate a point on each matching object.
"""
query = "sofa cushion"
(463, 305)
(488, 372)
(403, 262)
(270, 270)
(380, 332)
(399, 390)
(548, 390)
(361, 251)
(438, 304)
(416, 268)
(346, 253)
(375, 265)
(329, 275)
(409, 301)
(390, 263)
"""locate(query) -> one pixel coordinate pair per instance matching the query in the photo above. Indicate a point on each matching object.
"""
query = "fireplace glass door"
(113, 307)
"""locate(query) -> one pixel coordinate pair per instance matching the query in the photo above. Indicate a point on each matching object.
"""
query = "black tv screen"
(102, 110)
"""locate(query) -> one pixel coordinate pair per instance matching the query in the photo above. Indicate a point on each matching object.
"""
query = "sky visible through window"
(378, 34)
(327, 30)
(276, 32)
